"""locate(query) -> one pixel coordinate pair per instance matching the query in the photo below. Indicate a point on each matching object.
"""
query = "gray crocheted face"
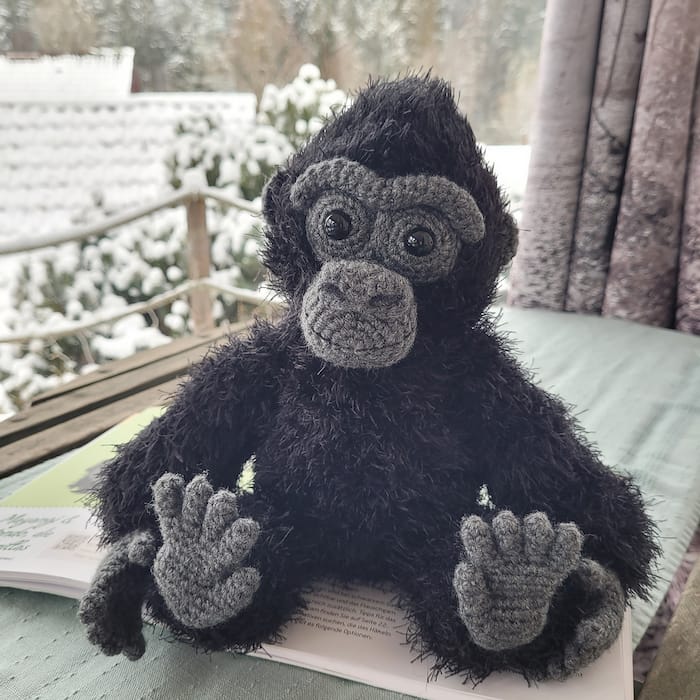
(376, 238)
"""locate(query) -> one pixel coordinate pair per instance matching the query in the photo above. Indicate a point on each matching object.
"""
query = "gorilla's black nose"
(332, 290)
(359, 314)
(385, 301)
(375, 301)
(364, 285)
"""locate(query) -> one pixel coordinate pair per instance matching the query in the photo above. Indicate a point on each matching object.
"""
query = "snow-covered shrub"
(25, 372)
(80, 282)
(243, 161)
(287, 118)
(298, 110)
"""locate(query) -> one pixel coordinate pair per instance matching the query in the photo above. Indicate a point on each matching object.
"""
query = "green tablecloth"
(637, 392)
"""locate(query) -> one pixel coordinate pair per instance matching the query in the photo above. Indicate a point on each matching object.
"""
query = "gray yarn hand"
(198, 569)
(509, 574)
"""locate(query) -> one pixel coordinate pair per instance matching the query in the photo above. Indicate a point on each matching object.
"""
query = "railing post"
(198, 264)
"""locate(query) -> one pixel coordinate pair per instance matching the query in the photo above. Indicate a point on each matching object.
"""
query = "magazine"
(48, 543)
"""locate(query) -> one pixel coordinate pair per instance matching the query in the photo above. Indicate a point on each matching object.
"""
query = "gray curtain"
(611, 217)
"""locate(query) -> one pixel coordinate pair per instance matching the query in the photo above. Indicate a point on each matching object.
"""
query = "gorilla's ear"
(510, 241)
(272, 196)
(286, 251)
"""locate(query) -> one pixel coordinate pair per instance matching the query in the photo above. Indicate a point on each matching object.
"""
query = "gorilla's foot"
(509, 574)
(198, 570)
(597, 631)
(111, 608)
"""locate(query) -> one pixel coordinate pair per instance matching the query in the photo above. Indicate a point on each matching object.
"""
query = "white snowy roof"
(54, 156)
(104, 74)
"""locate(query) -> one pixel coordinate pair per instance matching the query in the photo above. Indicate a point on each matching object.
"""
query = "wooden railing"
(200, 282)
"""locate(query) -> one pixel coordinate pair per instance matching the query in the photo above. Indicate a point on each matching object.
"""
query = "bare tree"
(425, 24)
(486, 48)
(490, 46)
(262, 47)
(63, 26)
(352, 39)
(15, 34)
(319, 25)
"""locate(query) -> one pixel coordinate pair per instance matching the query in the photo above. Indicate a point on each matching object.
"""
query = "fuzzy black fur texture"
(366, 474)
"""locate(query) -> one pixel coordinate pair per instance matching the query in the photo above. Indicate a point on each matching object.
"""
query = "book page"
(48, 549)
(358, 633)
(48, 541)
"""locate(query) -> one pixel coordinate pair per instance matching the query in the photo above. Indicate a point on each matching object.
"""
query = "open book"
(49, 543)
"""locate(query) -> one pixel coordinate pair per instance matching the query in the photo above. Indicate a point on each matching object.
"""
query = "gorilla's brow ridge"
(379, 193)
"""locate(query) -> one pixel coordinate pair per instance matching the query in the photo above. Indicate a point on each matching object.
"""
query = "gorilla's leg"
(230, 571)
(517, 597)
(111, 607)
(227, 574)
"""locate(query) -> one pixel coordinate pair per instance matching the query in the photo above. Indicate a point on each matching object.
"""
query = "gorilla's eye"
(419, 242)
(337, 225)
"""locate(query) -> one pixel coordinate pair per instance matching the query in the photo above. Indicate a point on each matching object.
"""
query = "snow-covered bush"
(298, 110)
(243, 162)
(79, 282)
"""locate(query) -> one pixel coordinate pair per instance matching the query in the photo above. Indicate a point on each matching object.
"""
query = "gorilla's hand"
(509, 574)
(111, 608)
(198, 569)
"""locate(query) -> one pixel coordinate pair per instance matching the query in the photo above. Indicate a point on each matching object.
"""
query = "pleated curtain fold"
(611, 217)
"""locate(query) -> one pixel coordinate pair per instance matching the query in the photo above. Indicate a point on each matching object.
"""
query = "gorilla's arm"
(212, 425)
(536, 460)
(539, 460)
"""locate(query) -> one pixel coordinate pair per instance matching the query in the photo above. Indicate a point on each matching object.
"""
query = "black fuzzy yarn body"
(365, 475)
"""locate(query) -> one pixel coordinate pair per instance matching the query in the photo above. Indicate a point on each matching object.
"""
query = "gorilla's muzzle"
(359, 314)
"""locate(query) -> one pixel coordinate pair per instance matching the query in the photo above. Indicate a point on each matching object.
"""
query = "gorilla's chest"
(362, 452)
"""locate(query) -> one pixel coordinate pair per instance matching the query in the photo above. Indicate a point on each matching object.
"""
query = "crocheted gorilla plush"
(376, 408)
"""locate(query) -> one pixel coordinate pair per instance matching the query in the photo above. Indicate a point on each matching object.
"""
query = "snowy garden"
(52, 287)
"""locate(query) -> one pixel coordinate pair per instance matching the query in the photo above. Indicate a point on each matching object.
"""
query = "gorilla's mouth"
(357, 314)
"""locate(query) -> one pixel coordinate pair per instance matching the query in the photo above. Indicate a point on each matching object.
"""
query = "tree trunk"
(567, 68)
(688, 303)
(617, 78)
(644, 262)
